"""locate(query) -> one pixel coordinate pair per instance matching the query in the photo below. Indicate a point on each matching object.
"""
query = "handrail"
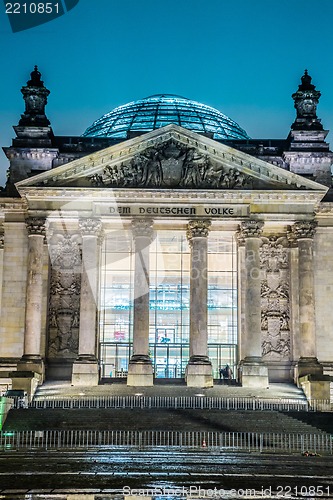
(87, 439)
(181, 402)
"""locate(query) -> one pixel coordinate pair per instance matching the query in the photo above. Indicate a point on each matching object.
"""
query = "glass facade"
(169, 303)
(163, 109)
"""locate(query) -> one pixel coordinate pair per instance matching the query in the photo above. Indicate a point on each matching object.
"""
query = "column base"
(85, 371)
(31, 363)
(317, 390)
(253, 373)
(140, 371)
(199, 372)
(307, 366)
(27, 381)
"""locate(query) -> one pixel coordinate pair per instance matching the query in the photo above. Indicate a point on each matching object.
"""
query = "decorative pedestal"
(307, 366)
(32, 364)
(199, 374)
(27, 381)
(253, 373)
(317, 390)
(140, 372)
(85, 372)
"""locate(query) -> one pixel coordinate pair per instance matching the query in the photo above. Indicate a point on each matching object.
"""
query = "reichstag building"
(164, 242)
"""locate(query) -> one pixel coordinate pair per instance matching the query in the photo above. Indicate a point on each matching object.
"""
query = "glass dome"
(160, 110)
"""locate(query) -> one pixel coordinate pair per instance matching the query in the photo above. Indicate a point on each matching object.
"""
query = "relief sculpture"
(170, 165)
(64, 296)
(275, 308)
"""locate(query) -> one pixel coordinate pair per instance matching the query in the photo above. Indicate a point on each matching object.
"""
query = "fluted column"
(253, 371)
(32, 359)
(140, 370)
(199, 368)
(304, 232)
(85, 368)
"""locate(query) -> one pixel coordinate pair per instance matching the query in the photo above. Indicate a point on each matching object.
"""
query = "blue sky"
(243, 57)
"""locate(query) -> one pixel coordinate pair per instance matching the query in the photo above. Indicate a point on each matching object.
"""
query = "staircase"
(168, 420)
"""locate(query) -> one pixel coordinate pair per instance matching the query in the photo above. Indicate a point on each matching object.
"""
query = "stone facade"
(170, 179)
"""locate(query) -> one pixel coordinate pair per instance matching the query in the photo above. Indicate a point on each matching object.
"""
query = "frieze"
(172, 210)
(275, 293)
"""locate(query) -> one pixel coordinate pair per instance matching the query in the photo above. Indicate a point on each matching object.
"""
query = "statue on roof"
(35, 97)
(35, 79)
(305, 102)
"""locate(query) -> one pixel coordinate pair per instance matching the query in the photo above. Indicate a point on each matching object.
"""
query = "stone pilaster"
(308, 363)
(199, 368)
(32, 360)
(85, 368)
(140, 369)
(253, 372)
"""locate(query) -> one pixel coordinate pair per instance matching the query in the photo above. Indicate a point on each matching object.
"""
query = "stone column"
(308, 363)
(85, 368)
(199, 368)
(2, 244)
(253, 372)
(140, 369)
(32, 360)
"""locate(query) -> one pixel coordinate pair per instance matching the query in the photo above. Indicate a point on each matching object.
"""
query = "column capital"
(197, 229)
(251, 229)
(304, 229)
(143, 227)
(291, 237)
(240, 238)
(90, 226)
(36, 226)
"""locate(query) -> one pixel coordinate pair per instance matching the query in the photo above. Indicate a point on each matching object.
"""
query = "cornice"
(137, 195)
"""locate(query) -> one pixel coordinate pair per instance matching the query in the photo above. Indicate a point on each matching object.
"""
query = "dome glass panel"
(160, 110)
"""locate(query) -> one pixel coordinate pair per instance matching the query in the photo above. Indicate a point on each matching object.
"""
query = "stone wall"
(323, 278)
(14, 289)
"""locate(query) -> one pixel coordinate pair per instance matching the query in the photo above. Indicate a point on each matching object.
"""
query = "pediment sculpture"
(171, 165)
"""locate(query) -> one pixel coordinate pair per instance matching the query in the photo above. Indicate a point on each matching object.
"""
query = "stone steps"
(164, 419)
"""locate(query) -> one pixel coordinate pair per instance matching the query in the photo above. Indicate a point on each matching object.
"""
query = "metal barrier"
(183, 402)
(88, 439)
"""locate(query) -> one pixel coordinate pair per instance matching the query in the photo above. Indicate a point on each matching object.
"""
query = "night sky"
(242, 57)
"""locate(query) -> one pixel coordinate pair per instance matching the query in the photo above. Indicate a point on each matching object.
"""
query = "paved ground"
(110, 471)
(104, 473)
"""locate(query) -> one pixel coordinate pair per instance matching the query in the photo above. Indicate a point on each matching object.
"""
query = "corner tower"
(307, 151)
(31, 151)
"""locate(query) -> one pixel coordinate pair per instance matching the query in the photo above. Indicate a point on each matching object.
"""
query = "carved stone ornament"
(275, 303)
(240, 238)
(197, 229)
(35, 97)
(170, 165)
(143, 228)
(90, 227)
(251, 228)
(65, 286)
(304, 229)
(36, 226)
(2, 237)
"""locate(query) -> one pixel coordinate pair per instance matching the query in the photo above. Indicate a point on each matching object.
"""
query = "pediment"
(170, 158)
